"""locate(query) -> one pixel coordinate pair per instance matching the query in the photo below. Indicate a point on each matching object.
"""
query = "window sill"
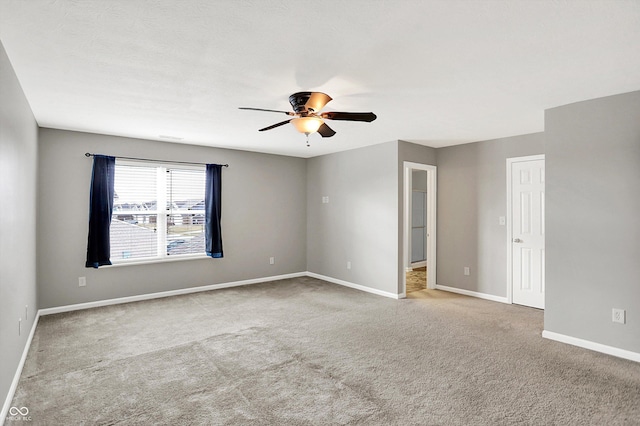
(179, 258)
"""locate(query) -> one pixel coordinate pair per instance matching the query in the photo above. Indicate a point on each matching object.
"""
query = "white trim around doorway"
(431, 222)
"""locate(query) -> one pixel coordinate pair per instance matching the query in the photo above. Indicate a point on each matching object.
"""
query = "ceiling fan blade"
(349, 116)
(268, 110)
(326, 131)
(317, 101)
(273, 126)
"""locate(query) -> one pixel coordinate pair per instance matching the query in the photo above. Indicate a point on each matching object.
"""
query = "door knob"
(517, 240)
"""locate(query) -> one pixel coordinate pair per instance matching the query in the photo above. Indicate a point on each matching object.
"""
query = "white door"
(527, 232)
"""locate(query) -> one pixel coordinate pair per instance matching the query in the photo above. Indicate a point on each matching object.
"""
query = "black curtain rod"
(88, 154)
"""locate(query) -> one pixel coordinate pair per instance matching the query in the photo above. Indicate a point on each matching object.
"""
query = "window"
(158, 211)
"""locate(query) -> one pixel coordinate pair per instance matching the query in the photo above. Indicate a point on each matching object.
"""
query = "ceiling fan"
(308, 118)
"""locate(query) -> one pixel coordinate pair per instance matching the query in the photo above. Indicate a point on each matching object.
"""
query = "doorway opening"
(419, 236)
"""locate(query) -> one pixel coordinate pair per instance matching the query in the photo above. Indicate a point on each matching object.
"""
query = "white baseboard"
(355, 286)
(149, 296)
(16, 377)
(472, 293)
(587, 344)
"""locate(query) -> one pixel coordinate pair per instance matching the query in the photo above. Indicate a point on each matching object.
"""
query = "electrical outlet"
(325, 199)
(272, 261)
(466, 270)
(82, 281)
(618, 315)
(349, 264)
(502, 220)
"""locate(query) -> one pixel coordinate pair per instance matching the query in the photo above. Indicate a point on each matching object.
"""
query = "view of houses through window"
(140, 230)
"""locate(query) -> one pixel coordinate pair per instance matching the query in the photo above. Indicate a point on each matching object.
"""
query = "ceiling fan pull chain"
(307, 139)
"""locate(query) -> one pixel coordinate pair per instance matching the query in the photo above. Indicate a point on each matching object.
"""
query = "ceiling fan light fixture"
(307, 124)
(308, 119)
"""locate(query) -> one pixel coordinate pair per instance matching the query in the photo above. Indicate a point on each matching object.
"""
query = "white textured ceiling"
(435, 72)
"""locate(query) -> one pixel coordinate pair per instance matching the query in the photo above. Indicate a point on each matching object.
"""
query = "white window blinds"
(158, 211)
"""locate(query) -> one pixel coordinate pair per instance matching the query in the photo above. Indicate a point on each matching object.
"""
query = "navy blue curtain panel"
(213, 211)
(100, 211)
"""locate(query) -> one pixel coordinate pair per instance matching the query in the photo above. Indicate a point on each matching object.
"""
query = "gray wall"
(472, 187)
(419, 180)
(360, 222)
(18, 174)
(264, 199)
(593, 219)
(415, 153)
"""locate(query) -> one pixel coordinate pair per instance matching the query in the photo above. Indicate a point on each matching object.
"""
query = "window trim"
(161, 214)
(151, 260)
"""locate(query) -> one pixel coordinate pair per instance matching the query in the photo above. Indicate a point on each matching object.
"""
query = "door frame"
(431, 222)
(510, 162)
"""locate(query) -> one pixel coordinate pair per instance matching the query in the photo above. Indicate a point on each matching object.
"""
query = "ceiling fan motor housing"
(308, 103)
(299, 100)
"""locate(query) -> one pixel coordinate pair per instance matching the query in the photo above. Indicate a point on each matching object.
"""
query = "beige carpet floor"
(306, 352)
